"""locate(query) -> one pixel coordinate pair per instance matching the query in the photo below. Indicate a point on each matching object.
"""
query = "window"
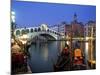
(39, 29)
(23, 32)
(48, 30)
(18, 32)
(27, 30)
(35, 30)
(31, 30)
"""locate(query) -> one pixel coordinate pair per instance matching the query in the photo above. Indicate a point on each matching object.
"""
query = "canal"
(44, 55)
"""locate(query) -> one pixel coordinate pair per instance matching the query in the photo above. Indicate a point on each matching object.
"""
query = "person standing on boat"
(66, 58)
(65, 50)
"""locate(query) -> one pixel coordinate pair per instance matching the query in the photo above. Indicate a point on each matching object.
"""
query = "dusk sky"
(30, 14)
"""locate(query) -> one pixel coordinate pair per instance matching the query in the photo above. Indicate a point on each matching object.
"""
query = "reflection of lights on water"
(67, 36)
(86, 45)
(87, 38)
(86, 48)
(68, 42)
(61, 46)
(45, 53)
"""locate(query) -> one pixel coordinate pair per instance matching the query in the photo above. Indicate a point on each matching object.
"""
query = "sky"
(29, 14)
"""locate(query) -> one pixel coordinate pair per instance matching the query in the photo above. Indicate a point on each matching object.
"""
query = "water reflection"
(44, 55)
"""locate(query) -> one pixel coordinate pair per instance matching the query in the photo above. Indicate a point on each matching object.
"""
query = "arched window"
(35, 29)
(18, 32)
(39, 29)
(48, 30)
(23, 32)
(27, 30)
(55, 32)
(31, 30)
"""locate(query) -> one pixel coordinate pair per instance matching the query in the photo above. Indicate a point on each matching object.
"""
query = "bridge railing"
(26, 31)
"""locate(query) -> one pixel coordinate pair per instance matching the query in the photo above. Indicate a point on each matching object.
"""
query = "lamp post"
(13, 16)
(13, 26)
(91, 46)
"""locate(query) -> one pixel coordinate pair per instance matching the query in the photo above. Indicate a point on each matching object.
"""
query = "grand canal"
(44, 55)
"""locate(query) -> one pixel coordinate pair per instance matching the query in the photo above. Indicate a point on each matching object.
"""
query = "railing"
(26, 31)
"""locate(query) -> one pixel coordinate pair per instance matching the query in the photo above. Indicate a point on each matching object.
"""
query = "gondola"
(63, 62)
(78, 60)
(69, 63)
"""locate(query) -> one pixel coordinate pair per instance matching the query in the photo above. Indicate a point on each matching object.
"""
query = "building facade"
(90, 29)
(77, 27)
(90, 35)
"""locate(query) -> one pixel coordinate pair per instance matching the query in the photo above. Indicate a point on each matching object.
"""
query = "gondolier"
(63, 62)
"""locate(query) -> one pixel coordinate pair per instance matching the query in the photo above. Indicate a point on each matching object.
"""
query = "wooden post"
(91, 46)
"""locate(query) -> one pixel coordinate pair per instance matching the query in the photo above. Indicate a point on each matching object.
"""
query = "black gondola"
(64, 61)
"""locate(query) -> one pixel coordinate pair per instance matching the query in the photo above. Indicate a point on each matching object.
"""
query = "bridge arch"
(48, 36)
(45, 34)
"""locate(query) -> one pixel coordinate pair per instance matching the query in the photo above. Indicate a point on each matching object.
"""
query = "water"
(43, 56)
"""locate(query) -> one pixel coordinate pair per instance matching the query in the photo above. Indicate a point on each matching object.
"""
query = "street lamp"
(13, 26)
(13, 16)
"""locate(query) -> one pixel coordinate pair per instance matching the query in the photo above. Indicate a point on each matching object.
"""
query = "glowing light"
(23, 39)
(25, 36)
(86, 46)
(13, 16)
(68, 42)
(13, 13)
(86, 50)
(87, 38)
(12, 41)
(23, 42)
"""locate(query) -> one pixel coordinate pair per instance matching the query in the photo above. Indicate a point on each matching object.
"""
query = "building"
(64, 28)
(55, 28)
(90, 29)
(90, 35)
(77, 27)
(68, 30)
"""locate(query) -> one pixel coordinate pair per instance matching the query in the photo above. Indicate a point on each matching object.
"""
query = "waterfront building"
(77, 27)
(90, 35)
(91, 25)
